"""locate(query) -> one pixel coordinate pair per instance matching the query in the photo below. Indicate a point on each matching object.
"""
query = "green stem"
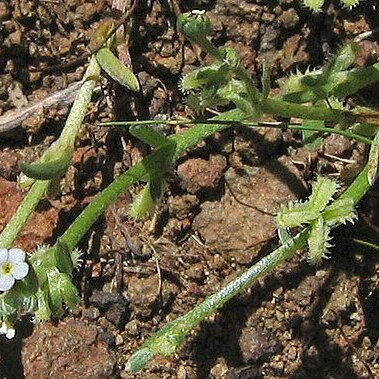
(357, 79)
(358, 188)
(277, 125)
(287, 109)
(370, 245)
(170, 337)
(166, 341)
(92, 212)
(80, 106)
(66, 140)
(341, 132)
(19, 219)
(182, 141)
(281, 108)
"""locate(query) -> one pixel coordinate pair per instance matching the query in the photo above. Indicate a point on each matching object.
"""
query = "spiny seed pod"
(350, 3)
(323, 190)
(194, 25)
(314, 5)
(339, 212)
(143, 205)
(318, 241)
(231, 57)
(344, 58)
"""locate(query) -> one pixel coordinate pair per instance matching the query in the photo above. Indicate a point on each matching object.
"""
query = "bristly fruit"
(316, 5)
(194, 25)
(321, 213)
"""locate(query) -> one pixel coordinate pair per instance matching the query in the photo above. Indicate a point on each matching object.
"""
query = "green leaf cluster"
(46, 290)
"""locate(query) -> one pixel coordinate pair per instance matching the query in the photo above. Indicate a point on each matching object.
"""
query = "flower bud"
(231, 57)
(194, 25)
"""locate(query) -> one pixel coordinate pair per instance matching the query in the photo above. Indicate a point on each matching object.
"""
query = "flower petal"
(20, 270)
(16, 255)
(6, 282)
(3, 328)
(3, 255)
(7, 330)
(10, 333)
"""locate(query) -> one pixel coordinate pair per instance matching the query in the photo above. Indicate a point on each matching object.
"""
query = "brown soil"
(217, 216)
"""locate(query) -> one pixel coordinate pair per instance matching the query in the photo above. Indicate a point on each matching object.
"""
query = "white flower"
(7, 330)
(12, 268)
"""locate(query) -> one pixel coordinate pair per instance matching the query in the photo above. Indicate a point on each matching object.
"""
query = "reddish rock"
(200, 174)
(41, 224)
(242, 222)
(70, 350)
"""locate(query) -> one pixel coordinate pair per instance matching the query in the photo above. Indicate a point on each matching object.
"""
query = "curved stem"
(182, 141)
(19, 219)
(67, 138)
(168, 339)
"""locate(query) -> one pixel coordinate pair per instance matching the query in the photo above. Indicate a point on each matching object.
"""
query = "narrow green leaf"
(116, 70)
(62, 291)
(344, 58)
(148, 135)
(46, 170)
(312, 139)
(63, 258)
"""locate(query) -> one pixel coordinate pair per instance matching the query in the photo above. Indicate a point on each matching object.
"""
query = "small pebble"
(91, 313)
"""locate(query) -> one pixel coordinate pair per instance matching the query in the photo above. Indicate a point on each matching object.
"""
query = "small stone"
(181, 373)
(9, 164)
(119, 340)
(15, 38)
(4, 10)
(64, 46)
(257, 344)
(338, 146)
(195, 272)
(292, 353)
(143, 293)
(117, 313)
(279, 316)
(107, 337)
(91, 313)
(289, 18)
(219, 263)
(69, 350)
(33, 123)
(201, 174)
(366, 343)
(219, 369)
(235, 226)
(181, 206)
(104, 300)
(85, 12)
(131, 328)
